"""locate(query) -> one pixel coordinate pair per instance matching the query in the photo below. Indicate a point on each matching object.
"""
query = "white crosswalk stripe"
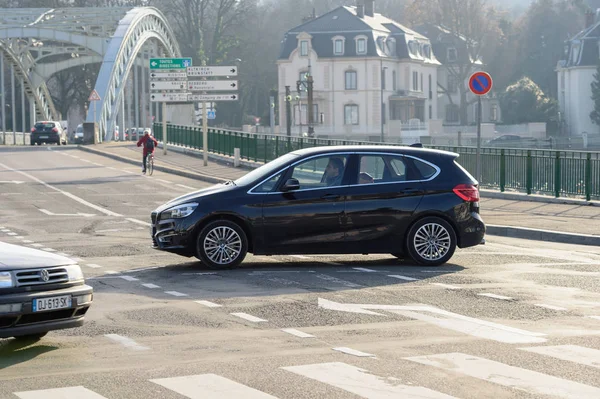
(210, 386)
(571, 353)
(60, 393)
(516, 378)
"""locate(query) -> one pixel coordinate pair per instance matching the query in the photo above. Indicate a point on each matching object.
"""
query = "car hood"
(217, 188)
(17, 257)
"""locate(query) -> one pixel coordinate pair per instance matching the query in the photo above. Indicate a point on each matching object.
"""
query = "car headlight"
(6, 280)
(180, 211)
(74, 272)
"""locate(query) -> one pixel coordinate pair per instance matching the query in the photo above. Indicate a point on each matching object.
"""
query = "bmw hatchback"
(405, 201)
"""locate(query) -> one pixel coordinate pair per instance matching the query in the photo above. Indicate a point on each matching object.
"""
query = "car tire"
(431, 241)
(31, 337)
(32, 143)
(213, 241)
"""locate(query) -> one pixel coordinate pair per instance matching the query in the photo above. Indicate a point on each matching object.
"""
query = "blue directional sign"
(211, 114)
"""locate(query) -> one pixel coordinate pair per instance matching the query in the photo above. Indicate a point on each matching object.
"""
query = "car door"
(307, 220)
(384, 193)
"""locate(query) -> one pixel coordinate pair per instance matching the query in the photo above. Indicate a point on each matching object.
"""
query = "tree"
(595, 114)
(525, 102)
(471, 22)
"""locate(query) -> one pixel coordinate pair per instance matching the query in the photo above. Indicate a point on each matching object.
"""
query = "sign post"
(94, 97)
(480, 84)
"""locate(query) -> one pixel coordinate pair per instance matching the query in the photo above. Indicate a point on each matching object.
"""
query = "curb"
(166, 169)
(221, 159)
(535, 198)
(542, 235)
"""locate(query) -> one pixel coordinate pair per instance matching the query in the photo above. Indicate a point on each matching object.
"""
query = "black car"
(48, 132)
(330, 200)
(39, 292)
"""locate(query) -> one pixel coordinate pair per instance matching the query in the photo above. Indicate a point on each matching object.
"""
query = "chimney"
(370, 8)
(590, 18)
(360, 11)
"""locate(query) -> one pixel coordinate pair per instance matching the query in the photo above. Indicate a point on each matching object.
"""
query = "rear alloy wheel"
(222, 244)
(431, 241)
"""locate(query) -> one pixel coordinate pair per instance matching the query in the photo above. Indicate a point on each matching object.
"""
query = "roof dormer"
(304, 44)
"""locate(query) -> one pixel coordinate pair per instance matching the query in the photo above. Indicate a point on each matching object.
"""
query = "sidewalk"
(552, 220)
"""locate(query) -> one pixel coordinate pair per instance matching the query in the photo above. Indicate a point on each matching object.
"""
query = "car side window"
(372, 169)
(398, 164)
(327, 171)
(425, 170)
(269, 185)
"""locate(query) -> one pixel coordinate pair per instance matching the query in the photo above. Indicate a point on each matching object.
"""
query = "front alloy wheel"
(222, 245)
(431, 241)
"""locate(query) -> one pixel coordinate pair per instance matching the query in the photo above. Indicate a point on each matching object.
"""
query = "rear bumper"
(45, 137)
(27, 322)
(472, 232)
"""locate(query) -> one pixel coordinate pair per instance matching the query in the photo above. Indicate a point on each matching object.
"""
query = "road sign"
(94, 96)
(169, 85)
(213, 97)
(168, 75)
(212, 71)
(480, 83)
(169, 97)
(212, 85)
(170, 63)
(211, 114)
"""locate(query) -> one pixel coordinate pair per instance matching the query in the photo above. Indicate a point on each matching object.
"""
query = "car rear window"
(44, 125)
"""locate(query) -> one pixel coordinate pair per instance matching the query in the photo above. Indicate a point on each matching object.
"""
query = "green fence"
(556, 173)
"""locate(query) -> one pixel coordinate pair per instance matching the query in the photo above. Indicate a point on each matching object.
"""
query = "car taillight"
(55, 130)
(467, 192)
(32, 129)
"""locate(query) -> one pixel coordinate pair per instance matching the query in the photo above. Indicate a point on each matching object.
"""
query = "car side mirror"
(291, 185)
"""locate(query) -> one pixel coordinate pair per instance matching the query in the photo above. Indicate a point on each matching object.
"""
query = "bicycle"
(150, 164)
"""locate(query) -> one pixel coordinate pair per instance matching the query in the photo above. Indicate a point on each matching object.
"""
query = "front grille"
(26, 278)
(46, 316)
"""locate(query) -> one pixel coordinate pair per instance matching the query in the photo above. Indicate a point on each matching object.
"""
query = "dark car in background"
(330, 200)
(48, 132)
(39, 292)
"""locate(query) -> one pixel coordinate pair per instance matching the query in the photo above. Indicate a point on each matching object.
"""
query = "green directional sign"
(170, 63)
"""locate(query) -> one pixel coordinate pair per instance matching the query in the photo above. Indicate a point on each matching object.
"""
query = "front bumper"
(26, 321)
(173, 235)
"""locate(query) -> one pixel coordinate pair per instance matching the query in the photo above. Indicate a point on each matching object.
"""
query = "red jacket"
(142, 142)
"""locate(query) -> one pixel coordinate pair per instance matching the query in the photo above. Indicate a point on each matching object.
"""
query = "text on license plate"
(43, 137)
(46, 304)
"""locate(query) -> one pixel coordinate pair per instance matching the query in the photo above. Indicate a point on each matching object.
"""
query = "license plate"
(43, 137)
(47, 304)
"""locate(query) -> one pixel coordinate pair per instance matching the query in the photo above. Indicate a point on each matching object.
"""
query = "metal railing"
(545, 172)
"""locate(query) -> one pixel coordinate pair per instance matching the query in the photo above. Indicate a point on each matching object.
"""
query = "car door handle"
(330, 197)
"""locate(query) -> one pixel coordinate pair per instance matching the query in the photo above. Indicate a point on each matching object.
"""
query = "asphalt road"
(511, 319)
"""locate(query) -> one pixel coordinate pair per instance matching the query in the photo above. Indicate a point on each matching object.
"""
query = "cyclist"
(149, 144)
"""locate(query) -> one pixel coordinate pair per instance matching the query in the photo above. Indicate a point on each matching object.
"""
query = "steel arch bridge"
(38, 43)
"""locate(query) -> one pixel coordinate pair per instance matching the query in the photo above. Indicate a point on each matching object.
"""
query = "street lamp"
(383, 69)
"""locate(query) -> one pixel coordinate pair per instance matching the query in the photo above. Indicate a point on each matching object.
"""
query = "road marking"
(516, 378)
(48, 249)
(97, 164)
(67, 194)
(37, 245)
(332, 279)
(60, 393)
(448, 286)
(139, 222)
(175, 293)
(210, 386)
(112, 272)
(94, 266)
(209, 304)
(19, 237)
(571, 353)
(363, 269)
(126, 342)
(362, 383)
(128, 171)
(300, 257)
(186, 187)
(297, 333)
(164, 181)
(129, 278)
(494, 296)
(141, 269)
(77, 259)
(27, 241)
(151, 285)
(12, 234)
(63, 254)
(551, 307)
(111, 168)
(444, 319)
(331, 263)
(353, 352)
(403, 277)
(594, 317)
(248, 317)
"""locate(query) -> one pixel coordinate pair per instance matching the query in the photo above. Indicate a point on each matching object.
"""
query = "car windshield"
(266, 170)
(43, 125)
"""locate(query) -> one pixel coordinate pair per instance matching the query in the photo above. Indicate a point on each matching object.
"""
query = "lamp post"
(383, 69)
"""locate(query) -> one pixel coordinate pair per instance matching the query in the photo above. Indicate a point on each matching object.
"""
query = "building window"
(452, 84)
(304, 48)
(415, 81)
(351, 114)
(338, 46)
(431, 112)
(430, 89)
(494, 113)
(361, 46)
(452, 113)
(302, 77)
(406, 110)
(383, 80)
(452, 54)
(394, 81)
(427, 51)
(301, 114)
(421, 82)
(351, 80)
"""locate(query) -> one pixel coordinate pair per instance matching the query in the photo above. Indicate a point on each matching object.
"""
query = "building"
(453, 53)
(372, 76)
(575, 76)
